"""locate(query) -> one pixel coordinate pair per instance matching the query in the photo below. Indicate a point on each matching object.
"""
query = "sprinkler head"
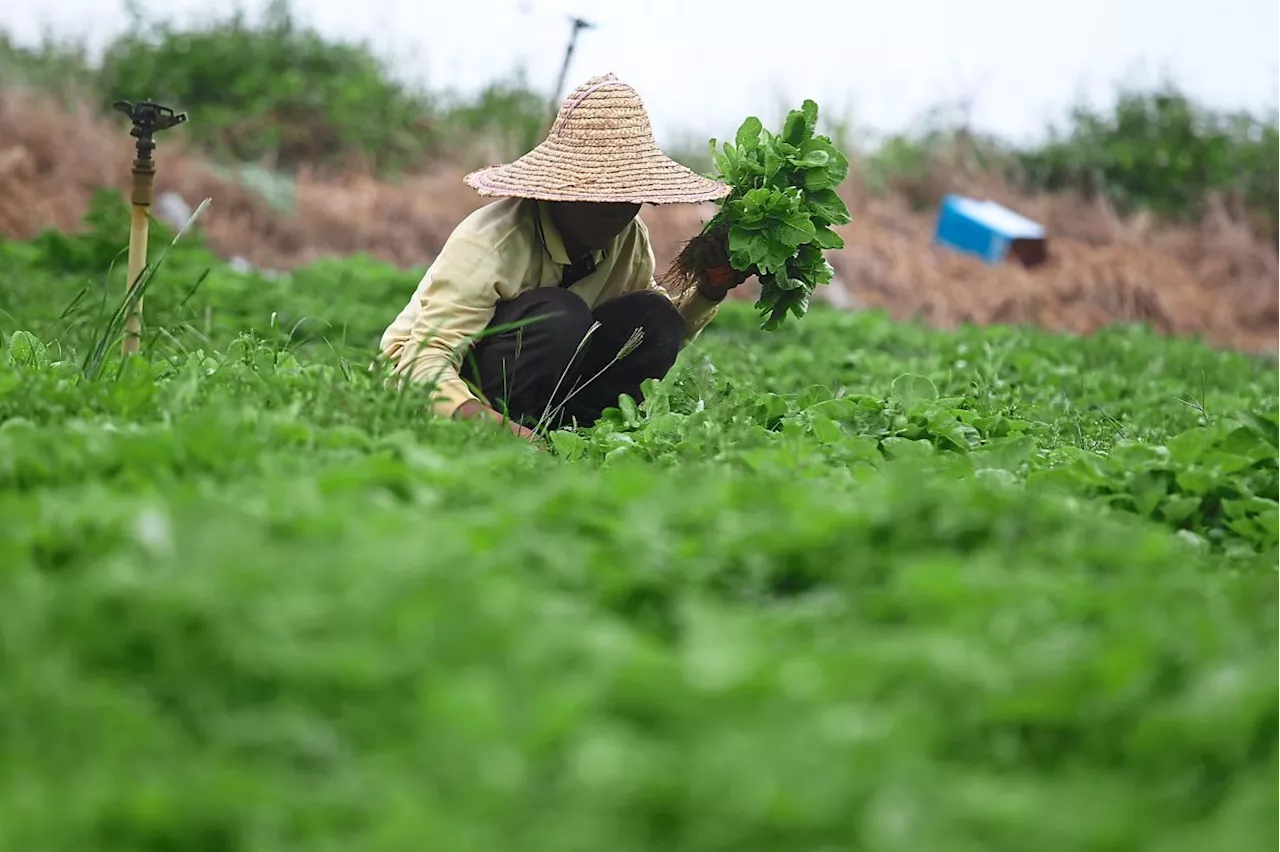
(148, 118)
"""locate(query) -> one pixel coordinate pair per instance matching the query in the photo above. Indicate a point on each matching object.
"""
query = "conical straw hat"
(600, 148)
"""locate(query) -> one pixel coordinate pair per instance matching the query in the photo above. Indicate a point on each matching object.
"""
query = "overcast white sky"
(703, 65)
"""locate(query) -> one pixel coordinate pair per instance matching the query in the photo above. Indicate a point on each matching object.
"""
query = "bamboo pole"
(148, 118)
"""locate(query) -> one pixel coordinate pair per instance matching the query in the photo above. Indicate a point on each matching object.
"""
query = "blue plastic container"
(987, 230)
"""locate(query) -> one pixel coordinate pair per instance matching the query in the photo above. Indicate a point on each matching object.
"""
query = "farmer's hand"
(475, 410)
(720, 277)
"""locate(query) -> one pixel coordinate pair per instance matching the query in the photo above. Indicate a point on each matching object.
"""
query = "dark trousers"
(517, 369)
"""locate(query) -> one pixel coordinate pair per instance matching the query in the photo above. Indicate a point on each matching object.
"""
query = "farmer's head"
(597, 166)
(590, 225)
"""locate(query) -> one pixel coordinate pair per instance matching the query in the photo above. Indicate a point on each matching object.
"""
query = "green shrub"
(1156, 151)
(277, 92)
(55, 67)
(273, 90)
(1160, 151)
(506, 118)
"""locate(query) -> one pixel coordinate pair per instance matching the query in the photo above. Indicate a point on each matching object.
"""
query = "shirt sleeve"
(454, 307)
(697, 310)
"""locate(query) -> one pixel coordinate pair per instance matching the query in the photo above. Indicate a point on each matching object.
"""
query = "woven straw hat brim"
(544, 174)
(600, 149)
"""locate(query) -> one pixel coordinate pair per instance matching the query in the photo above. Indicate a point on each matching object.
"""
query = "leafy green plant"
(232, 566)
(778, 218)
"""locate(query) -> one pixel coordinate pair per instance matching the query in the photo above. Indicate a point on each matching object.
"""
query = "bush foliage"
(1160, 151)
(277, 91)
(274, 89)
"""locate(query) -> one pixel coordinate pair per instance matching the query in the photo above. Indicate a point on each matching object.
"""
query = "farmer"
(542, 306)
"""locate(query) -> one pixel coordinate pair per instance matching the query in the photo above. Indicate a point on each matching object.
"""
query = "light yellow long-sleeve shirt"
(495, 254)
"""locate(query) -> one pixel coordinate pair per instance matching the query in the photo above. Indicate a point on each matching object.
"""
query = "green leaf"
(1250, 506)
(1177, 509)
(1247, 529)
(827, 430)
(726, 164)
(1227, 462)
(793, 128)
(909, 387)
(828, 177)
(749, 134)
(905, 448)
(1189, 446)
(1243, 440)
(954, 435)
(1149, 488)
(825, 238)
(772, 162)
(1270, 523)
(825, 273)
(1197, 481)
(784, 282)
(1006, 453)
(795, 229)
(812, 160)
(829, 206)
(817, 180)
(28, 350)
(1265, 425)
(568, 444)
(627, 406)
(810, 110)
(768, 298)
(800, 124)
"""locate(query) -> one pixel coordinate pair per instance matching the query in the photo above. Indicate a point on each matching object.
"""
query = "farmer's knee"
(662, 323)
(557, 321)
(662, 317)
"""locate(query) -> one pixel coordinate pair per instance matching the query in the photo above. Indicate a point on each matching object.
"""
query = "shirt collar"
(555, 242)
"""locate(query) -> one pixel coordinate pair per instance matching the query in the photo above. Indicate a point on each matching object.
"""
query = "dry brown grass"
(1214, 280)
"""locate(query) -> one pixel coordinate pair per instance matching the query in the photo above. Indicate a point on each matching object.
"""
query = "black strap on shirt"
(576, 271)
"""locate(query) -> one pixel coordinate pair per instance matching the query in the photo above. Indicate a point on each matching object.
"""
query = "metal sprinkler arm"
(148, 119)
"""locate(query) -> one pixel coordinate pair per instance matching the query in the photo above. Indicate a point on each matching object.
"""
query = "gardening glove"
(719, 276)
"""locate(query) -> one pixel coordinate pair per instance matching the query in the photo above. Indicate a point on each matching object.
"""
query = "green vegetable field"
(850, 584)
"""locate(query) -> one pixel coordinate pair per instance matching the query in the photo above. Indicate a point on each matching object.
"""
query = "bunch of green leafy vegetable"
(780, 213)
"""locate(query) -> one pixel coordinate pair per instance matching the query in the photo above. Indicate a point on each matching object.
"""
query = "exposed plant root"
(691, 262)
